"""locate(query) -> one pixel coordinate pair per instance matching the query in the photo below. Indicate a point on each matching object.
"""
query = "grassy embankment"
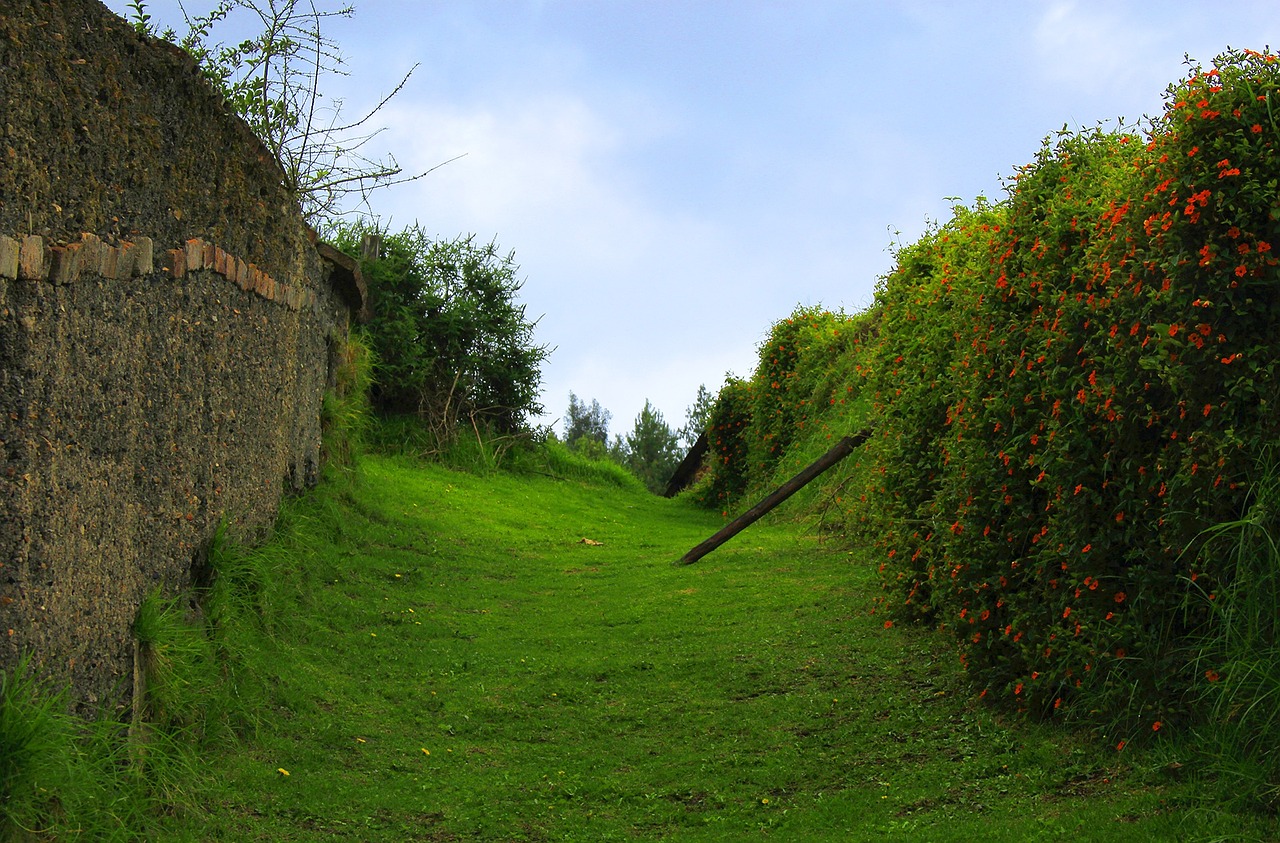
(461, 666)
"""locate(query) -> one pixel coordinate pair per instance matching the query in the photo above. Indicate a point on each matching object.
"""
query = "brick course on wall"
(29, 258)
(166, 325)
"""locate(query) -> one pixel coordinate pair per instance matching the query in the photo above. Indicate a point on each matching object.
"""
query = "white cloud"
(519, 159)
(1095, 55)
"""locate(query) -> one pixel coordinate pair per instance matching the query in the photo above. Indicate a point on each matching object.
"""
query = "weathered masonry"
(167, 330)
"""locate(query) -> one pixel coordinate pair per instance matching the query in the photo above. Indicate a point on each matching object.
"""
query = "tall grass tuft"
(1238, 656)
(32, 743)
(64, 778)
(554, 458)
(472, 444)
(242, 611)
(179, 666)
(346, 414)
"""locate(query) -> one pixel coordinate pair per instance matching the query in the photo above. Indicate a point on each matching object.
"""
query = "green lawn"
(462, 666)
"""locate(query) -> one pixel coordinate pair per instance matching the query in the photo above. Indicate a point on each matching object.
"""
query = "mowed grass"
(462, 666)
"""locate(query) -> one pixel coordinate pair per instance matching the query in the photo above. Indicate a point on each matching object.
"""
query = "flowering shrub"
(910, 375)
(1067, 389)
(796, 405)
(726, 478)
(1071, 387)
(798, 382)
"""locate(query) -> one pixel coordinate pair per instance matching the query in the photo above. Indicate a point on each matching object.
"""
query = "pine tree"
(652, 450)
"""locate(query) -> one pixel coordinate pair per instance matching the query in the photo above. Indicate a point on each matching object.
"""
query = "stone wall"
(167, 323)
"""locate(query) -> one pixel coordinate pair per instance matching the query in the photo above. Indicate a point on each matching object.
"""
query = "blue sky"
(674, 177)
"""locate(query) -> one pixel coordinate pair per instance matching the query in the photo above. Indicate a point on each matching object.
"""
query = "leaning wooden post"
(842, 449)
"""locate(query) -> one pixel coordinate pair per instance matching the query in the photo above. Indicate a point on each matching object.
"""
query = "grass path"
(464, 667)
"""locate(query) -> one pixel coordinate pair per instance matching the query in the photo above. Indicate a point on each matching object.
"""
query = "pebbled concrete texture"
(167, 323)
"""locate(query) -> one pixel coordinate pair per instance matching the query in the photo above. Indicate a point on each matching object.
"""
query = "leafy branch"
(273, 81)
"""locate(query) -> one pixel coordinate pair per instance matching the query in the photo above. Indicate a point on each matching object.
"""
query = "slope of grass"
(462, 666)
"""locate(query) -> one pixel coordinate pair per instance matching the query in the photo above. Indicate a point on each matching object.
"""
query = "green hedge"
(1070, 390)
(1071, 387)
(800, 400)
(727, 464)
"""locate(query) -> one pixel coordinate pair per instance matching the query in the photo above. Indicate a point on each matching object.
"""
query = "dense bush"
(726, 477)
(452, 343)
(1070, 389)
(801, 399)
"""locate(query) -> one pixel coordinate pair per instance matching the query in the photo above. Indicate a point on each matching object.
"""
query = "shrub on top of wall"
(795, 385)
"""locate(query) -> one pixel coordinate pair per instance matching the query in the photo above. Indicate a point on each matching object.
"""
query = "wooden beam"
(841, 450)
(688, 467)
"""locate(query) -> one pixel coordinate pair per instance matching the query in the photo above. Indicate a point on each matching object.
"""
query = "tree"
(273, 82)
(451, 340)
(652, 450)
(583, 425)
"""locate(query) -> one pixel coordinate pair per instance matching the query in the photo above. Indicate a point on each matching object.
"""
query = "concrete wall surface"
(166, 329)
